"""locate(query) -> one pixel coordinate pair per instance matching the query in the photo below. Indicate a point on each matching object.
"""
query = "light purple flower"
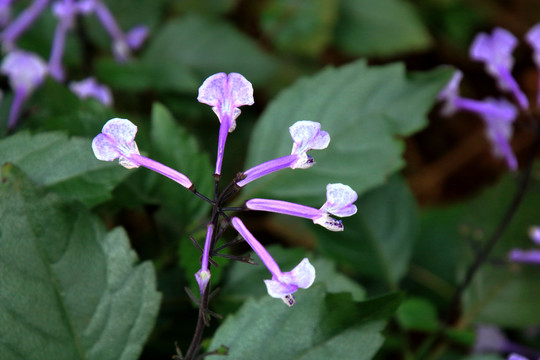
(26, 71)
(306, 135)
(90, 88)
(5, 12)
(137, 36)
(117, 141)
(203, 275)
(534, 234)
(450, 93)
(225, 93)
(340, 199)
(517, 357)
(14, 30)
(531, 257)
(283, 284)
(496, 52)
(65, 11)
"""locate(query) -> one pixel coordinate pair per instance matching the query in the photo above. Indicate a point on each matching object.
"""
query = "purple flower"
(306, 135)
(90, 88)
(203, 275)
(12, 32)
(340, 199)
(496, 52)
(137, 36)
(117, 141)
(26, 71)
(225, 93)
(5, 12)
(531, 256)
(65, 11)
(516, 357)
(534, 234)
(283, 284)
(450, 93)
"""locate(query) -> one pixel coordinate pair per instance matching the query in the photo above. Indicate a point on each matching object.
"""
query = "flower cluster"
(531, 256)
(495, 51)
(27, 71)
(226, 93)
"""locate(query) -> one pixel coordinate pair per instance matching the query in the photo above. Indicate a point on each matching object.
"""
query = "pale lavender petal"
(450, 93)
(328, 222)
(264, 255)
(203, 275)
(517, 357)
(122, 130)
(136, 37)
(525, 256)
(117, 141)
(283, 207)
(24, 70)
(489, 339)
(307, 135)
(534, 233)
(284, 285)
(90, 88)
(533, 38)
(267, 168)
(339, 200)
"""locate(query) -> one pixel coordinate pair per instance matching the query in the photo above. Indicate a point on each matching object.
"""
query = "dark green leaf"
(302, 27)
(67, 166)
(362, 108)
(319, 326)
(68, 290)
(380, 28)
(377, 241)
(417, 314)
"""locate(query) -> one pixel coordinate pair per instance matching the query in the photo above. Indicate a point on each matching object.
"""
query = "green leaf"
(362, 108)
(65, 165)
(318, 326)
(302, 27)
(417, 314)
(377, 242)
(208, 46)
(380, 28)
(246, 280)
(176, 148)
(507, 296)
(68, 290)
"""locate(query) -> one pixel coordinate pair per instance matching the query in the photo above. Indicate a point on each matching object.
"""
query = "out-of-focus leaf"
(68, 290)
(319, 326)
(302, 27)
(362, 108)
(379, 28)
(215, 7)
(417, 314)
(503, 294)
(208, 46)
(377, 242)
(246, 280)
(174, 147)
(65, 165)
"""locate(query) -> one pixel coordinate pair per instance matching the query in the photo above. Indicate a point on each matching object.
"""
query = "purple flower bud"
(117, 141)
(496, 52)
(525, 256)
(22, 23)
(26, 71)
(339, 202)
(203, 275)
(136, 37)
(90, 88)
(225, 93)
(450, 93)
(307, 135)
(282, 285)
(534, 234)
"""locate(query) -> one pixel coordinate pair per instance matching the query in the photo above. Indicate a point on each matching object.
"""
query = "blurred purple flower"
(340, 199)
(26, 71)
(117, 141)
(516, 357)
(450, 93)
(534, 234)
(5, 12)
(203, 275)
(531, 256)
(225, 93)
(283, 284)
(90, 88)
(27, 17)
(306, 135)
(496, 53)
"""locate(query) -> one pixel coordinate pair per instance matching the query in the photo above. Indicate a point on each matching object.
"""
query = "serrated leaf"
(208, 46)
(68, 290)
(377, 242)
(508, 294)
(65, 165)
(302, 27)
(319, 326)
(362, 108)
(379, 28)
(174, 146)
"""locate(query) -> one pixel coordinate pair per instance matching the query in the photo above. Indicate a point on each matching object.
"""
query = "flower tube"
(203, 275)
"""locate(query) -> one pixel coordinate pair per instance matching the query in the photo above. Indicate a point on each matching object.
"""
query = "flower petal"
(339, 200)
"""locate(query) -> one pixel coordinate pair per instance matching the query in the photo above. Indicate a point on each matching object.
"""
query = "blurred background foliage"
(369, 71)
